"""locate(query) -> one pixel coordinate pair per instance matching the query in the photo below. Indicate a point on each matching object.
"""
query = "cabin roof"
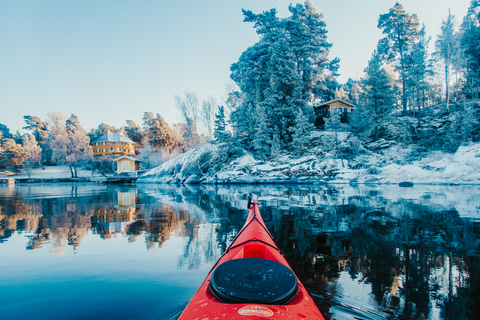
(322, 104)
(113, 137)
(126, 157)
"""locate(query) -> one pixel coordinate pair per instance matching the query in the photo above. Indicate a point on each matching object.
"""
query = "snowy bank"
(200, 165)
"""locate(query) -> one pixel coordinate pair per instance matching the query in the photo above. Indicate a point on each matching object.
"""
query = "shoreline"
(406, 184)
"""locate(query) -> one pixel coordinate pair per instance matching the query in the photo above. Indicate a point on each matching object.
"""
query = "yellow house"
(323, 109)
(113, 143)
(127, 165)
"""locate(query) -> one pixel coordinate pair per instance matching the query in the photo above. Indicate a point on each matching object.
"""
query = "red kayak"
(252, 280)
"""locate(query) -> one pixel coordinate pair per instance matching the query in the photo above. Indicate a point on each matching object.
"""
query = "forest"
(415, 91)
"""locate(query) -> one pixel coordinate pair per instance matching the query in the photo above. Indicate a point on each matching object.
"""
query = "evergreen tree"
(446, 51)
(5, 131)
(281, 74)
(334, 123)
(159, 134)
(133, 131)
(401, 30)
(38, 128)
(220, 131)
(262, 141)
(418, 70)
(301, 132)
(102, 129)
(470, 46)
(377, 99)
(41, 132)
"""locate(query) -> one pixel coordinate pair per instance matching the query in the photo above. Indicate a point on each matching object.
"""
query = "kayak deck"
(252, 280)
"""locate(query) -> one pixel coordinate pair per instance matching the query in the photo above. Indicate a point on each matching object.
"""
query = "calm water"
(89, 251)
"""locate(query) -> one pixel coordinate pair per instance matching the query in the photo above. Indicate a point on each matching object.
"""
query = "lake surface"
(87, 251)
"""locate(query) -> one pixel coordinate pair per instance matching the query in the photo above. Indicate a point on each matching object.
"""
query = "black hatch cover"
(253, 280)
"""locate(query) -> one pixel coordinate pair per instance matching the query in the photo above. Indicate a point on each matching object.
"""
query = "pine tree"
(220, 132)
(446, 49)
(334, 123)
(301, 133)
(133, 131)
(418, 70)
(376, 101)
(401, 31)
(281, 74)
(262, 141)
(470, 46)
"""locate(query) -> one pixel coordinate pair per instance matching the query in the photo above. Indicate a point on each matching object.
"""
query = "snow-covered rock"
(201, 165)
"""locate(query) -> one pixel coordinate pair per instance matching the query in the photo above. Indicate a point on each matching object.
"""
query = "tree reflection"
(416, 255)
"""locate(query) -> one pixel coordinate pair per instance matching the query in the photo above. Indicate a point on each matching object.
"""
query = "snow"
(52, 172)
(318, 166)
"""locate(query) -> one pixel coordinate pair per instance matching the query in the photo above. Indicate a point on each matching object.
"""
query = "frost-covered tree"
(401, 31)
(262, 141)
(446, 51)
(334, 123)
(470, 46)
(78, 145)
(12, 155)
(158, 133)
(377, 99)
(220, 131)
(207, 115)
(38, 127)
(5, 131)
(41, 132)
(133, 131)
(58, 139)
(102, 129)
(418, 70)
(33, 151)
(301, 133)
(69, 142)
(281, 74)
(189, 107)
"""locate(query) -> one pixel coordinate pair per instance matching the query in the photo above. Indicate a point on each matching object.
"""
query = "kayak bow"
(252, 279)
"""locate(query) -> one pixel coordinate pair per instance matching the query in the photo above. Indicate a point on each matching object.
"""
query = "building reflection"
(111, 219)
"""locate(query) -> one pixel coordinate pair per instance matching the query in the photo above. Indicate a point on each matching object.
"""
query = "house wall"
(339, 104)
(119, 148)
(120, 166)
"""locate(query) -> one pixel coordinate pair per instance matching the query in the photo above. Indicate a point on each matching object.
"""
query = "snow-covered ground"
(317, 166)
(51, 172)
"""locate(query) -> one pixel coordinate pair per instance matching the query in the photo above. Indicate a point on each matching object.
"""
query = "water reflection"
(373, 252)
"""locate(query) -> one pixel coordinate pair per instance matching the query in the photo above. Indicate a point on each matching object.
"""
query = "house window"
(104, 150)
(126, 199)
(111, 149)
(119, 149)
(125, 166)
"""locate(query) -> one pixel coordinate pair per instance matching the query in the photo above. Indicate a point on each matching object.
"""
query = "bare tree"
(208, 115)
(189, 107)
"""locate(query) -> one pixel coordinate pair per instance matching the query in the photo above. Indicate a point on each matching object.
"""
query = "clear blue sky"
(112, 60)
